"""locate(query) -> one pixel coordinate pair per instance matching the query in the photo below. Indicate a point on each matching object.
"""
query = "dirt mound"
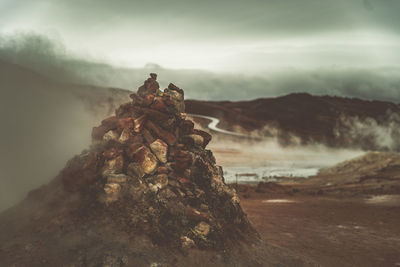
(147, 192)
(372, 173)
(372, 162)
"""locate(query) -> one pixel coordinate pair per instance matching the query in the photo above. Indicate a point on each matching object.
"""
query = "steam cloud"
(367, 133)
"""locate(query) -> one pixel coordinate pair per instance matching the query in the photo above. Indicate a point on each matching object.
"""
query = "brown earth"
(331, 230)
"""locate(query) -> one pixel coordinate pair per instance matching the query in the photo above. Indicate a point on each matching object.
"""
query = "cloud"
(51, 58)
(367, 133)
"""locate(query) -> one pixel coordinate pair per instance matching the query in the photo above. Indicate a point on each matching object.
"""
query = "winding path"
(213, 126)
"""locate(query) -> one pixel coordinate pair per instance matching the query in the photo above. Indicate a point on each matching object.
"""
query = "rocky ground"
(348, 215)
(331, 230)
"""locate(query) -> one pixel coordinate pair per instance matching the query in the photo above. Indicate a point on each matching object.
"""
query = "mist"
(44, 122)
(51, 58)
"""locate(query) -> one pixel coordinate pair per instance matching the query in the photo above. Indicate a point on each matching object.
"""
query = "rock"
(183, 160)
(153, 76)
(99, 132)
(139, 123)
(150, 86)
(154, 187)
(166, 185)
(110, 123)
(125, 110)
(135, 170)
(112, 192)
(196, 215)
(187, 243)
(160, 149)
(172, 86)
(154, 114)
(158, 104)
(193, 140)
(112, 153)
(168, 137)
(167, 194)
(148, 100)
(117, 178)
(112, 166)
(202, 229)
(148, 136)
(146, 159)
(162, 169)
(125, 136)
(125, 123)
(137, 139)
(187, 127)
(161, 179)
(111, 136)
(206, 136)
(132, 148)
(203, 207)
(175, 104)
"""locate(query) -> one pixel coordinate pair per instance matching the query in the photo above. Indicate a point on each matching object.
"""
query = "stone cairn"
(149, 170)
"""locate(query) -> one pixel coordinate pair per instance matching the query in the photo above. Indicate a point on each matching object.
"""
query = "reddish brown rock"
(154, 114)
(125, 110)
(172, 86)
(168, 137)
(193, 140)
(110, 123)
(153, 76)
(183, 160)
(139, 123)
(146, 159)
(206, 136)
(196, 215)
(162, 169)
(112, 153)
(158, 104)
(125, 123)
(186, 127)
(134, 169)
(114, 165)
(132, 148)
(148, 136)
(160, 149)
(150, 86)
(111, 135)
(137, 138)
(152, 163)
(126, 135)
(148, 100)
(98, 132)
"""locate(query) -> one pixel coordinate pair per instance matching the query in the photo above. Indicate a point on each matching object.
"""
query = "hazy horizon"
(224, 50)
(223, 36)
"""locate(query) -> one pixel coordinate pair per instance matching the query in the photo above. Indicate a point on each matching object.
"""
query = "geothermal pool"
(265, 174)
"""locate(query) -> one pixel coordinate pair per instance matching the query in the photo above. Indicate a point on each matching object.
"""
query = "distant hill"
(334, 121)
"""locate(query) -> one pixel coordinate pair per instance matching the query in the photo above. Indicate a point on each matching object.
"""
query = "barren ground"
(331, 230)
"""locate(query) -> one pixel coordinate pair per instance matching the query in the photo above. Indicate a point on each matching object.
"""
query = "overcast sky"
(219, 35)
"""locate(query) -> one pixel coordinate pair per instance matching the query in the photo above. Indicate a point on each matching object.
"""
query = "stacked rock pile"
(150, 171)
